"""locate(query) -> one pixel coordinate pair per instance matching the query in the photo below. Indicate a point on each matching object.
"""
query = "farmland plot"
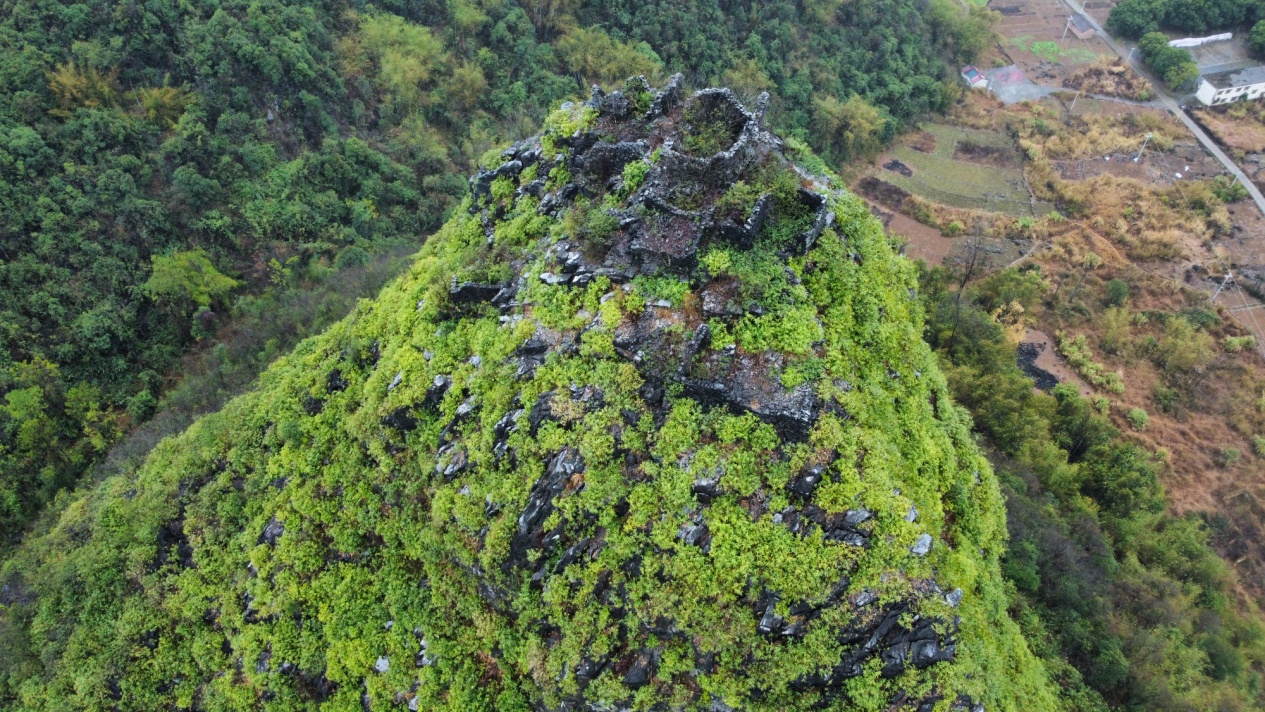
(970, 169)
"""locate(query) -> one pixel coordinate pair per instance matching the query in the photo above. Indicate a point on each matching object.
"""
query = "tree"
(187, 276)
(848, 129)
(1174, 65)
(408, 57)
(1134, 18)
(598, 59)
(86, 88)
(1257, 39)
(551, 17)
(962, 35)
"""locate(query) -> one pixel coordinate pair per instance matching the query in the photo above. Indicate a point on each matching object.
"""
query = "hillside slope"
(649, 422)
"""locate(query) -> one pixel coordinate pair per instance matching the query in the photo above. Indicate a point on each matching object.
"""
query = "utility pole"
(1144, 143)
(1074, 100)
(1065, 28)
(1228, 275)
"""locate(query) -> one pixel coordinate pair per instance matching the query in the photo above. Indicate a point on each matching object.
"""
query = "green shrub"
(1117, 292)
(1138, 418)
(1227, 189)
(1258, 446)
(1228, 456)
(634, 175)
(591, 224)
(351, 257)
(141, 406)
(1166, 399)
(1235, 344)
(1257, 39)
(1079, 357)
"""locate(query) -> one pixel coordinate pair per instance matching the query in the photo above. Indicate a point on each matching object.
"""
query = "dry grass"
(1240, 128)
(1146, 222)
(1124, 228)
(1110, 77)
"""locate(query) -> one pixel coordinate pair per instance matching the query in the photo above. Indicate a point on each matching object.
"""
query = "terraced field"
(966, 169)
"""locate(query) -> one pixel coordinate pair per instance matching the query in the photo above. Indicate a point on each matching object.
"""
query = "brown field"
(1138, 223)
(1025, 22)
(1245, 133)
(1110, 77)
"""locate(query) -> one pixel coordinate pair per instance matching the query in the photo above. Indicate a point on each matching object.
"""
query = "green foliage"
(1228, 456)
(1135, 18)
(187, 277)
(1175, 65)
(598, 59)
(1138, 418)
(1079, 357)
(851, 129)
(705, 135)
(654, 289)
(592, 224)
(1228, 190)
(1256, 39)
(1117, 292)
(964, 37)
(633, 176)
(1235, 344)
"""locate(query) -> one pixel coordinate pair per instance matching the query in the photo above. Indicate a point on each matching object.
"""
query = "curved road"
(1168, 103)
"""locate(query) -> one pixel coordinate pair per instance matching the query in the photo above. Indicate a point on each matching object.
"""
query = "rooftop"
(1237, 77)
(1080, 23)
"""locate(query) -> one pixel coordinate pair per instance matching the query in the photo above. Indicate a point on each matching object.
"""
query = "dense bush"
(1174, 65)
(1135, 18)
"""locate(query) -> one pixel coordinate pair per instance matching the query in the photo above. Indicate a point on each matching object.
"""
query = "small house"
(1233, 85)
(974, 78)
(1080, 26)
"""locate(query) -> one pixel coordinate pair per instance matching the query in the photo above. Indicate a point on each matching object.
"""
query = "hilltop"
(649, 423)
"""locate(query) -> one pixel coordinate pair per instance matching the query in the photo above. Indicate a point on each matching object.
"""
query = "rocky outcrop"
(659, 229)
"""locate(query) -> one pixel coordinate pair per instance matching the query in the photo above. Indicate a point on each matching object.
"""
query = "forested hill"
(649, 423)
(160, 159)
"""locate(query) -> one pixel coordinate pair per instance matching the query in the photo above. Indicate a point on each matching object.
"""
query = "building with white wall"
(1234, 85)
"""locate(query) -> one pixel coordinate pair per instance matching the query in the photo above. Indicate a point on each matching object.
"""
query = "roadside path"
(1169, 103)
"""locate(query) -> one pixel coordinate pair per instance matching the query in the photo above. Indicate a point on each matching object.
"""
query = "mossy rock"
(696, 464)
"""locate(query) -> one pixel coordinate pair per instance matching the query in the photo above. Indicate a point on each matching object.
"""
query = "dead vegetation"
(1110, 77)
(1239, 127)
(1206, 402)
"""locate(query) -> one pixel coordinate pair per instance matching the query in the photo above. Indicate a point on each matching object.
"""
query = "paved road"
(1168, 103)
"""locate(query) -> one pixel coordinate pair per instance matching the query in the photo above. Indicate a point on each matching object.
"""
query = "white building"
(1236, 84)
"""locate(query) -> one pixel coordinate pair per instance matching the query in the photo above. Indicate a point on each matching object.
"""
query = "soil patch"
(1046, 360)
(921, 141)
(1028, 353)
(884, 194)
(897, 167)
(1009, 10)
(987, 155)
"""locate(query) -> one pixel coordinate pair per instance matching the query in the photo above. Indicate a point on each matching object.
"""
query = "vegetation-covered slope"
(650, 420)
(147, 150)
